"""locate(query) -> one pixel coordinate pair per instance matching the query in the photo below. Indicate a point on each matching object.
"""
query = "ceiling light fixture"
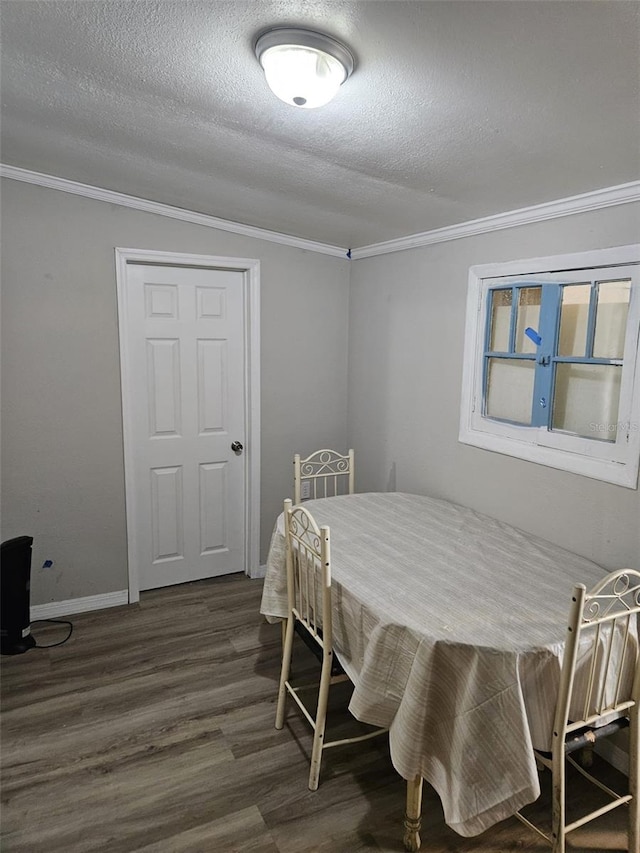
(303, 68)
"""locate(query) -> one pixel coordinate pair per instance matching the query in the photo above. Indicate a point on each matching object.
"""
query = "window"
(552, 365)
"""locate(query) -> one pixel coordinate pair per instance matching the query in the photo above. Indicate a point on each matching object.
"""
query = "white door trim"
(251, 269)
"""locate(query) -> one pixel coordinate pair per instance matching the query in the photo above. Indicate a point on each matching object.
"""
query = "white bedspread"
(451, 625)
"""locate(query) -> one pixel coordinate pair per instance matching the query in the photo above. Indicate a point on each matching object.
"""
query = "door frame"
(251, 269)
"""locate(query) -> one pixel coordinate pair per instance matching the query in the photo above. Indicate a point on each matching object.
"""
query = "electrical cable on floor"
(55, 622)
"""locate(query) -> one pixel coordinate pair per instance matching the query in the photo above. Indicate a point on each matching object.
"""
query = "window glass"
(611, 318)
(510, 389)
(552, 360)
(528, 317)
(500, 319)
(574, 319)
(586, 400)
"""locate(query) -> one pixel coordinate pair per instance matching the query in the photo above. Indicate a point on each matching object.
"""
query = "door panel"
(167, 525)
(185, 339)
(163, 387)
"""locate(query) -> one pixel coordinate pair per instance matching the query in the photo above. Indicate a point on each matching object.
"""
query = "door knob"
(237, 447)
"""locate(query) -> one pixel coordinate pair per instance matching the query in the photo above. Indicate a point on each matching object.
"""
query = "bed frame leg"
(413, 815)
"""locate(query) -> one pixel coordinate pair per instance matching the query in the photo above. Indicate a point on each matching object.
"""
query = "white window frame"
(612, 462)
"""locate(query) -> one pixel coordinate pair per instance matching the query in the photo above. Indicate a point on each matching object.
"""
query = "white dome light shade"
(303, 68)
(301, 76)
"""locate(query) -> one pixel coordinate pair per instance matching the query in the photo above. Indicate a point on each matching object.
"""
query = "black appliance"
(15, 578)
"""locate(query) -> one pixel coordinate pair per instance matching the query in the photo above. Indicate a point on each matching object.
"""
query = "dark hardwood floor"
(152, 730)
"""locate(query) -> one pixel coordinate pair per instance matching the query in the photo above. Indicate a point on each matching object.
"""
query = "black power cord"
(55, 622)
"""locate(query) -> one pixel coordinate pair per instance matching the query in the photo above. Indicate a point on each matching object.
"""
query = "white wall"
(406, 336)
(62, 452)
(62, 456)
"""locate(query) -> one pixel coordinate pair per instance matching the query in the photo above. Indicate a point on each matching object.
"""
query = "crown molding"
(595, 200)
(111, 197)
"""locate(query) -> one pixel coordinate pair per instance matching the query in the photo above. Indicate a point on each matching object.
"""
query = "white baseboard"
(79, 605)
(53, 609)
(260, 572)
(612, 753)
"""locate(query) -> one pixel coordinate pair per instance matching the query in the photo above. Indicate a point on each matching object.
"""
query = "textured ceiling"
(456, 110)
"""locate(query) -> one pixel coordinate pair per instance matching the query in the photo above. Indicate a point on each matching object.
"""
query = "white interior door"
(185, 349)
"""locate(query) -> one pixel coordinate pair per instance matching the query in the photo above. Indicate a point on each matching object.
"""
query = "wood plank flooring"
(152, 730)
